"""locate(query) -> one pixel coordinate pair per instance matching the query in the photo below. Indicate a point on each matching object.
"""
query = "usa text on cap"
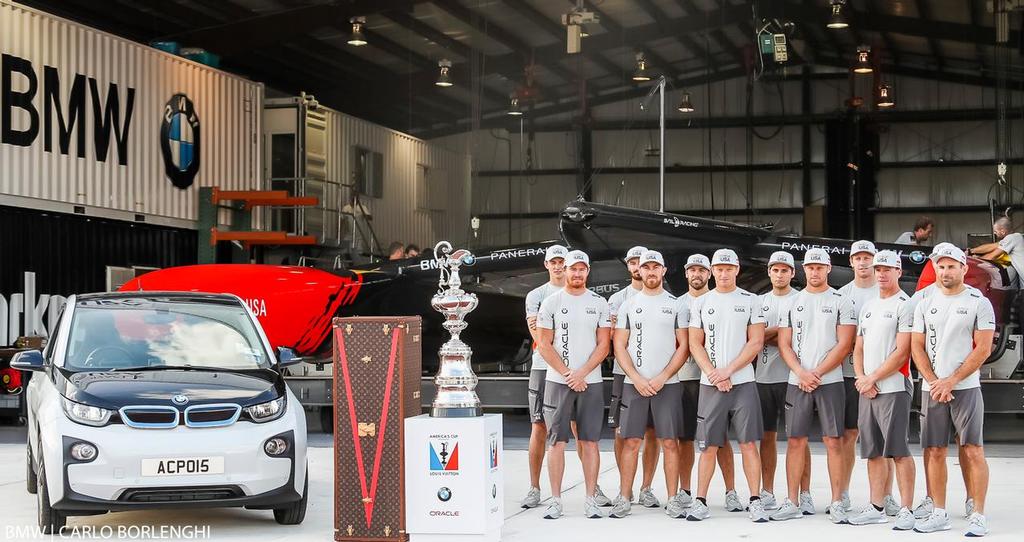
(725, 256)
(555, 251)
(575, 257)
(948, 251)
(698, 259)
(862, 246)
(652, 256)
(817, 256)
(887, 258)
(781, 256)
(635, 252)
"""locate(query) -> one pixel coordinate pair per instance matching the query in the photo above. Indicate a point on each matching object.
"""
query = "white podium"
(453, 482)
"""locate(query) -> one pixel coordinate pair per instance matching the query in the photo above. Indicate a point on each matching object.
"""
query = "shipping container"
(104, 126)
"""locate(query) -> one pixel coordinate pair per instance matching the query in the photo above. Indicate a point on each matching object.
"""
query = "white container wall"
(59, 154)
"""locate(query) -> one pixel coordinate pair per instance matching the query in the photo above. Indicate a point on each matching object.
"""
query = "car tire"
(50, 521)
(31, 482)
(295, 512)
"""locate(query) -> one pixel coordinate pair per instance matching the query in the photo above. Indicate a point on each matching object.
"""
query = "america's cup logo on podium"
(456, 395)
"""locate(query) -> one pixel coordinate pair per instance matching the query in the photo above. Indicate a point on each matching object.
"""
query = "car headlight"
(85, 414)
(265, 412)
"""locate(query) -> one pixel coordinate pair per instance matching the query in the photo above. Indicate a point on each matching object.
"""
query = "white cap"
(862, 246)
(887, 258)
(555, 251)
(817, 255)
(948, 250)
(697, 259)
(635, 252)
(577, 256)
(725, 256)
(652, 256)
(781, 256)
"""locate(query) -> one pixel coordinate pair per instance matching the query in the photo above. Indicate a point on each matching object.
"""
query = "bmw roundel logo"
(565, 311)
(765, 308)
(800, 309)
(444, 494)
(711, 311)
(935, 311)
(180, 399)
(639, 310)
(868, 315)
(494, 491)
(180, 141)
(469, 260)
(917, 256)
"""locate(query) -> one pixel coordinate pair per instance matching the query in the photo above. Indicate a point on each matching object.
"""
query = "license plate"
(183, 466)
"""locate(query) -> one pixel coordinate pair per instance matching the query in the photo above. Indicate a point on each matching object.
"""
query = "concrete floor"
(1007, 485)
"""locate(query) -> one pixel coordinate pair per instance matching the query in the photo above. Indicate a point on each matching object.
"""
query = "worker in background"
(1009, 244)
(396, 251)
(922, 232)
(412, 251)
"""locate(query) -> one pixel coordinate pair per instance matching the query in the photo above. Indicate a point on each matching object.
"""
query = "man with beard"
(815, 334)
(698, 273)
(883, 378)
(860, 290)
(726, 334)
(772, 376)
(651, 347)
(575, 337)
(554, 262)
(650, 447)
(952, 337)
(1008, 243)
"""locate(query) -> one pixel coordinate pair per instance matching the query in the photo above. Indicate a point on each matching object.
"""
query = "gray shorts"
(965, 413)
(885, 425)
(852, 404)
(618, 381)
(563, 406)
(773, 404)
(691, 400)
(830, 402)
(535, 395)
(715, 409)
(664, 411)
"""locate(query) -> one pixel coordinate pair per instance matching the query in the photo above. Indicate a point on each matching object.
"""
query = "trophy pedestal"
(454, 488)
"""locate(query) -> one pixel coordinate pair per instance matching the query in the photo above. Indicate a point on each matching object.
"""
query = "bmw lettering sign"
(180, 141)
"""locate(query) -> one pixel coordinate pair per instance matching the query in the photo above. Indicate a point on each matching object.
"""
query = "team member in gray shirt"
(881, 363)
(575, 337)
(650, 447)
(814, 337)
(952, 337)
(1009, 243)
(772, 375)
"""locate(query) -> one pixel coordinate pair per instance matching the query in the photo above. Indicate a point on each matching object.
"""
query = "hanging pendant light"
(863, 63)
(685, 105)
(640, 74)
(444, 79)
(838, 19)
(513, 107)
(357, 38)
(886, 98)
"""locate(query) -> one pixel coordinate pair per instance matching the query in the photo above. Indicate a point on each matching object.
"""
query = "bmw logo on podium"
(180, 141)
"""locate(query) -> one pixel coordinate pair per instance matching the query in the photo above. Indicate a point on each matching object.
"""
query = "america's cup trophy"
(456, 396)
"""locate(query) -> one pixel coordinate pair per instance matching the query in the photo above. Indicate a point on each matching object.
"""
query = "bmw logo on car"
(180, 141)
(180, 399)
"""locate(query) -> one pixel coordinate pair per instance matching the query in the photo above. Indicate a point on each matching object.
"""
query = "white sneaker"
(647, 498)
(837, 513)
(591, 509)
(620, 507)
(976, 525)
(732, 502)
(532, 498)
(869, 515)
(925, 508)
(768, 500)
(684, 498)
(969, 508)
(936, 521)
(807, 504)
(890, 505)
(757, 512)
(554, 510)
(845, 499)
(904, 520)
(787, 511)
(698, 512)
(674, 508)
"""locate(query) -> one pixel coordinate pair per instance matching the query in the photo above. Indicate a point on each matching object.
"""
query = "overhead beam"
(605, 21)
(924, 10)
(698, 50)
(556, 29)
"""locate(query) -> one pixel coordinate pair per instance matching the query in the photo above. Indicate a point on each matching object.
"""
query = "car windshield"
(152, 334)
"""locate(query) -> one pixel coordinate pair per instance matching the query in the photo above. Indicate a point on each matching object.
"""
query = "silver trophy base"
(456, 412)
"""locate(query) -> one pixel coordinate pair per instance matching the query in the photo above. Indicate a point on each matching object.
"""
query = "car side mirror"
(287, 357)
(28, 360)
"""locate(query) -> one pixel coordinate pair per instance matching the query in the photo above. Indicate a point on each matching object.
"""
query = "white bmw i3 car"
(162, 400)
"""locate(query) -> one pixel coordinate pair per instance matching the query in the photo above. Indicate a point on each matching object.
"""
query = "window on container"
(368, 170)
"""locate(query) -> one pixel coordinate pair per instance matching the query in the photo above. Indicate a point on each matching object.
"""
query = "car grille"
(212, 415)
(181, 494)
(150, 417)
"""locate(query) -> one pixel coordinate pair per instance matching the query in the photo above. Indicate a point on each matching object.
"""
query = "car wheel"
(31, 483)
(50, 521)
(296, 512)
